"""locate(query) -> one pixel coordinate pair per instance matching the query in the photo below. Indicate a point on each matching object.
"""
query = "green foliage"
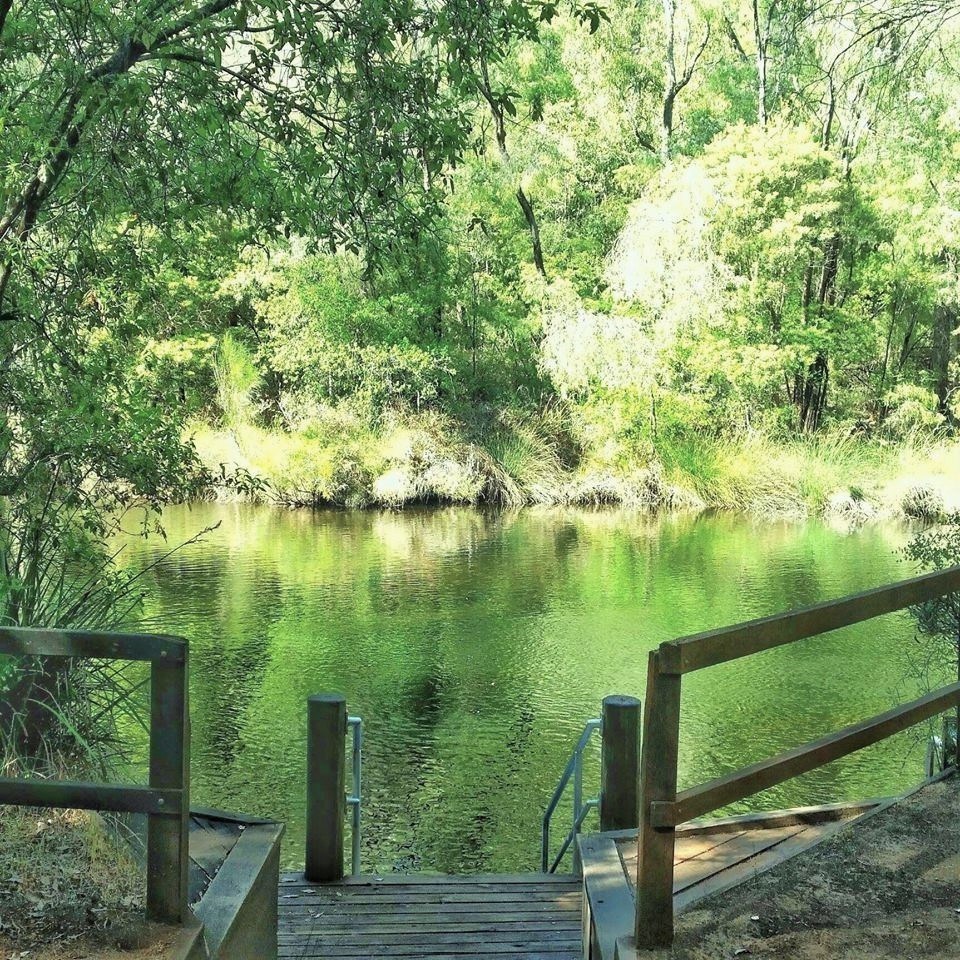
(237, 378)
(911, 413)
(938, 621)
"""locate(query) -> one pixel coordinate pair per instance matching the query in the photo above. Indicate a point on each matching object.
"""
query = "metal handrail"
(942, 748)
(581, 808)
(355, 799)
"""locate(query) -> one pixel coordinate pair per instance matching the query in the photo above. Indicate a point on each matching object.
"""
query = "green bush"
(911, 413)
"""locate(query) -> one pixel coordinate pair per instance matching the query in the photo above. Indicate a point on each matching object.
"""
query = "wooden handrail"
(166, 800)
(88, 644)
(662, 809)
(747, 781)
(730, 643)
(68, 795)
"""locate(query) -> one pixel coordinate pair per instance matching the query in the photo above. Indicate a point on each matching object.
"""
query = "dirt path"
(887, 888)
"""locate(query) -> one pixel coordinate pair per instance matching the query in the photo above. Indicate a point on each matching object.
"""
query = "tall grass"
(66, 713)
(236, 377)
(529, 459)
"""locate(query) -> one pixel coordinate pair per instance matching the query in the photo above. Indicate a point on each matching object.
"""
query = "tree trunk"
(945, 322)
(669, 80)
(761, 37)
(528, 212)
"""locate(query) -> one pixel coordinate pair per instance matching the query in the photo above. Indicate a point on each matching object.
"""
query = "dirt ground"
(69, 890)
(887, 888)
(154, 942)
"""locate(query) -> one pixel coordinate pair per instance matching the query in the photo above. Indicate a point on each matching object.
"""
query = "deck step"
(526, 916)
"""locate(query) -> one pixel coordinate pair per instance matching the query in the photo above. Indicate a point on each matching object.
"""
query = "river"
(475, 645)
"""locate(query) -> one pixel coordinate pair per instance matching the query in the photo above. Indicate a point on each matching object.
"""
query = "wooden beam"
(658, 784)
(747, 781)
(71, 795)
(168, 837)
(730, 643)
(326, 786)
(26, 641)
(620, 764)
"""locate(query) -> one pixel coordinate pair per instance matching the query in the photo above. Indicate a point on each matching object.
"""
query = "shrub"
(912, 413)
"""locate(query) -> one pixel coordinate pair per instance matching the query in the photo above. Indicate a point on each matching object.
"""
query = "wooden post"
(620, 764)
(168, 833)
(326, 786)
(658, 781)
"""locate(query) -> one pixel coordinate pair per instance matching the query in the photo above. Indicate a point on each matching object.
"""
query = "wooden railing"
(166, 800)
(662, 808)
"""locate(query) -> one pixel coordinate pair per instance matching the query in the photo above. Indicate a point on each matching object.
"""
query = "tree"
(330, 121)
(678, 66)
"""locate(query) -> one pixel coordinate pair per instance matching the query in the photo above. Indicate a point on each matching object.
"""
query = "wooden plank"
(466, 927)
(764, 860)
(658, 784)
(427, 889)
(309, 950)
(470, 948)
(608, 897)
(362, 937)
(298, 879)
(684, 850)
(730, 643)
(818, 813)
(239, 912)
(210, 843)
(768, 773)
(67, 794)
(729, 855)
(522, 910)
(383, 899)
(688, 848)
(28, 641)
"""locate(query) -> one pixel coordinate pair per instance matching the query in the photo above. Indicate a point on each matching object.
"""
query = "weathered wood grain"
(33, 642)
(522, 917)
(658, 779)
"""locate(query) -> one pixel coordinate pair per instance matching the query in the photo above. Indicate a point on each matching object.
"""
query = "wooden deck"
(710, 862)
(522, 916)
(530, 916)
(709, 857)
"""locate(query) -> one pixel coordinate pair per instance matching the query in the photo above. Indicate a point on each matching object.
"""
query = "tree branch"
(692, 65)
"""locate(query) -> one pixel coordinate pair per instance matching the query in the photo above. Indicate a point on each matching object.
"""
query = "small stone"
(755, 917)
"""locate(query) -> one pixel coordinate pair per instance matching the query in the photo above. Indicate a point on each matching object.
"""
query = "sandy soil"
(887, 888)
(153, 942)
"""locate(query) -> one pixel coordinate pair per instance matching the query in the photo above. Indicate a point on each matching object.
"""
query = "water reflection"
(475, 645)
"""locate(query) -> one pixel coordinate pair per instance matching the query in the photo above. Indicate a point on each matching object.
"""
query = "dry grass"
(69, 887)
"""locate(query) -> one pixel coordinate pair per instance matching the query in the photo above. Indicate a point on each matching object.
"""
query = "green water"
(475, 645)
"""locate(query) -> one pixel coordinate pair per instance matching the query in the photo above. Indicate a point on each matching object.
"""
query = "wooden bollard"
(326, 756)
(620, 764)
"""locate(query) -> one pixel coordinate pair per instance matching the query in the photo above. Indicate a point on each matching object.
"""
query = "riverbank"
(428, 461)
(884, 889)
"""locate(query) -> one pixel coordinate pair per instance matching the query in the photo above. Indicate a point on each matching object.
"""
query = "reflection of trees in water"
(474, 644)
(225, 609)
